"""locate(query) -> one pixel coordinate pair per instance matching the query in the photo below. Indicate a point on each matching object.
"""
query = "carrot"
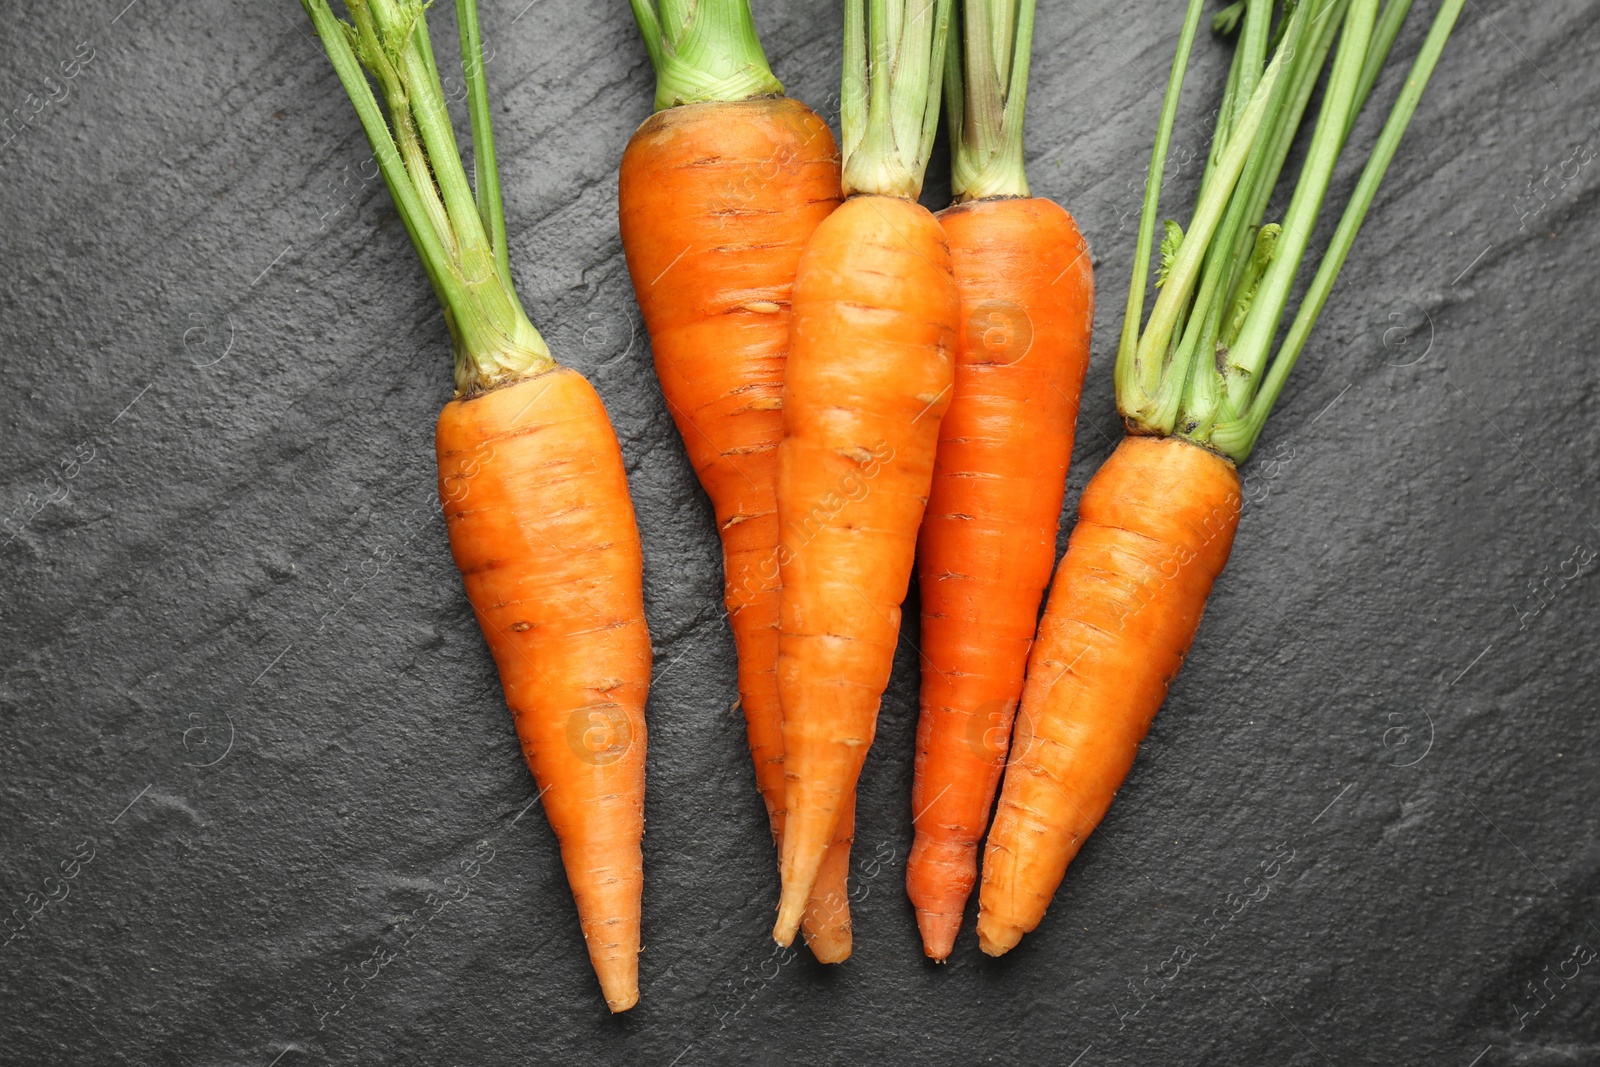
(1154, 528)
(531, 478)
(1195, 386)
(869, 377)
(988, 540)
(718, 192)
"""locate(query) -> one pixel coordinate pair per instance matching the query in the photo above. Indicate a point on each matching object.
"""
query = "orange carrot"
(541, 527)
(869, 377)
(718, 194)
(1155, 524)
(988, 541)
(531, 478)
(1194, 387)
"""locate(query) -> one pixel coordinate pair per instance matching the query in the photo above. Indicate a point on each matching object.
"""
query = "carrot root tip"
(826, 950)
(939, 930)
(998, 942)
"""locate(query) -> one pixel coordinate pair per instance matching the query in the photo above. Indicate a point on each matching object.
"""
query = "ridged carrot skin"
(988, 540)
(717, 201)
(542, 529)
(1155, 525)
(869, 378)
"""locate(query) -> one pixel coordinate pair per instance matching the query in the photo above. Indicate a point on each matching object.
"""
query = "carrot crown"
(1203, 367)
(704, 50)
(889, 103)
(459, 234)
(985, 90)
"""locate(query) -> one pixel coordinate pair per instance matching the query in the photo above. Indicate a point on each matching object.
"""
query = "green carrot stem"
(426, 95)
(1243, 73)
(1383, 35)
(1182, 279)
(1219, 135)
(1202, 368)
(1253, 44)
(414, 214)
(892, 82)
(1220, 265)
(853, 78)
(1248, 357)
(703, 51)
(1126, 372)
(421, 164)
(986, 91)
(1194, 393)
(485, 166)
(1323, 23)
(370, 50)
(1238, 437)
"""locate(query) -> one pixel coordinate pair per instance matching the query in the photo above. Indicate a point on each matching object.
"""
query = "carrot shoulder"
(541, 527)
(988, 541)
(1155, 525)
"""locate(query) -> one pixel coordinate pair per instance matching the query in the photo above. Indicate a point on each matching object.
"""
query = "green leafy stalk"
(1243, 74)
(1196, 326)
(1172, 304)
(485, 168)
(894, 55)
(1261, 251)
(1126, 372)
(1238, 437)
(1226, 281)
(704, 50)
(1388, 28)
(986, 90)
(1191, 388)
(459, 237)
(1248, 357)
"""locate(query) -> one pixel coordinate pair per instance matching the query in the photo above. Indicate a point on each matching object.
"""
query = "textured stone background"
(238, 669)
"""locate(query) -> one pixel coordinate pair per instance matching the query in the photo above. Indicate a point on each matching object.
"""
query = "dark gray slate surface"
(239, 671)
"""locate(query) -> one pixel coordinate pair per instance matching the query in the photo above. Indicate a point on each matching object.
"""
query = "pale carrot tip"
(939, 930)
(997, 943)
(829, 950)
(788, 921)
(619, 982)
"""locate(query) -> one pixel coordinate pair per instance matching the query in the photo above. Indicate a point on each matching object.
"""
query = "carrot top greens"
(459, 234)
(703, 50)
(985, 90)
(1202, 367)
(889, 100)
